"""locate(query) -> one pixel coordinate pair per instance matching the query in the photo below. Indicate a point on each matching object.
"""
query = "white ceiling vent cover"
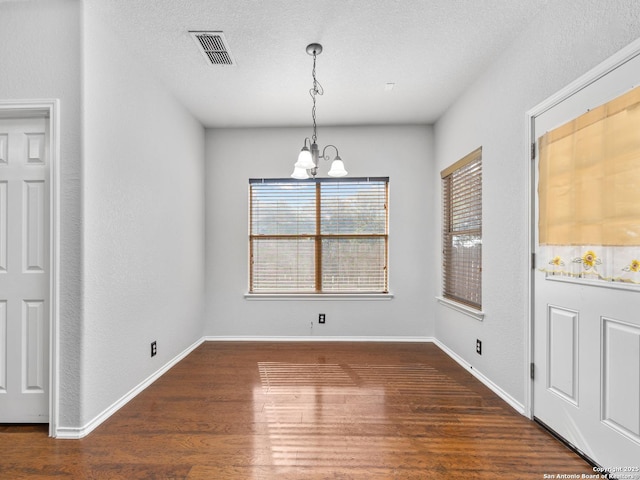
(214, 47)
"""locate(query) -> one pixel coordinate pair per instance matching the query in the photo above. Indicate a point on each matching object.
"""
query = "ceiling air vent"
(214, 47)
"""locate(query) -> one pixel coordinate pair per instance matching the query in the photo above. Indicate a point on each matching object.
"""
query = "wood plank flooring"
(302, 411)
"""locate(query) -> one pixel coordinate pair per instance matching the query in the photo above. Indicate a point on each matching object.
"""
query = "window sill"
(458, 307)
(318, 296)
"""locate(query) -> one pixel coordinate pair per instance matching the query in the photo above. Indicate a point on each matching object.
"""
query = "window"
(462, 231)
(318, 235)
(589, 214)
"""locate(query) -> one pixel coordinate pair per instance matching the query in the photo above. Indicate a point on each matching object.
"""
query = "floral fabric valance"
(609, 264)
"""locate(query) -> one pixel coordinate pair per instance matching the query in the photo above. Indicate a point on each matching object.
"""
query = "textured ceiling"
(431, 49)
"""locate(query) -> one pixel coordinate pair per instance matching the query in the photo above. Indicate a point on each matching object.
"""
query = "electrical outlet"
(478, 347)
(154, 348)
(321, 318)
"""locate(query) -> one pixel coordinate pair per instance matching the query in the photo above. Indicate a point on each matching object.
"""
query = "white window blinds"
(462, 230)
(318, 236)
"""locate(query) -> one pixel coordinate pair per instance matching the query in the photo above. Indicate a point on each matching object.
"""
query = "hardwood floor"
(302, 411)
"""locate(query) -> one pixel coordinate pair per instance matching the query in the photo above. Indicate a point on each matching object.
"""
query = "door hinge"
(533, 151)
(532, 370)
(533, 261)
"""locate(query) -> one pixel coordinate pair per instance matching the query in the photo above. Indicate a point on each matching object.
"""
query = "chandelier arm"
(325, 157)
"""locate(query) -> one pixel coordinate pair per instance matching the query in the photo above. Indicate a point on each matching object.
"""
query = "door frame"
(592, 76)
(50, 110)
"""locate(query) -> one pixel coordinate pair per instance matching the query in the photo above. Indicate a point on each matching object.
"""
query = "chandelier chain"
(314, 91)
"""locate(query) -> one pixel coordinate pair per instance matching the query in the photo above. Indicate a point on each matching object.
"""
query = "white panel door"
(24, 271)
(587, 336)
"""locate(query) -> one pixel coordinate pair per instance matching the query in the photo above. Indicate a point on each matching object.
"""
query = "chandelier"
(309, 157)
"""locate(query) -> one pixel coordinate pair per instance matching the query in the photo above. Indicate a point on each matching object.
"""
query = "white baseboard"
(516, 405)
(80, 432)
(316, 339)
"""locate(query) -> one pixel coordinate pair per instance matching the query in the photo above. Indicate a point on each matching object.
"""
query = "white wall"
(40, 57)
(563, 42)
(404, 153)
(143, 194)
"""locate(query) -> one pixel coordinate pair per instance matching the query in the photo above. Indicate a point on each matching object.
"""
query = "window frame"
(318, 237)
(453, 293)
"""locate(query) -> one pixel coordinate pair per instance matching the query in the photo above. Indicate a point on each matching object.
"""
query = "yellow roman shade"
(589, 177)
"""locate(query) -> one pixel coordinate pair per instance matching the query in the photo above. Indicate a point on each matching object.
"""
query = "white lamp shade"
(337, 169)
(299, 173)
(304, 160)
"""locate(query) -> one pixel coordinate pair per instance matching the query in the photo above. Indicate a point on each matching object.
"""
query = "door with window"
(587, 270)
(24, 271)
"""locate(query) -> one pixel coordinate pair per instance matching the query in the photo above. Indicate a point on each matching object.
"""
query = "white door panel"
(3, 343)
(24, 276)
(621, 377)
(587, 356)
(562, 352)
(4, 223)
